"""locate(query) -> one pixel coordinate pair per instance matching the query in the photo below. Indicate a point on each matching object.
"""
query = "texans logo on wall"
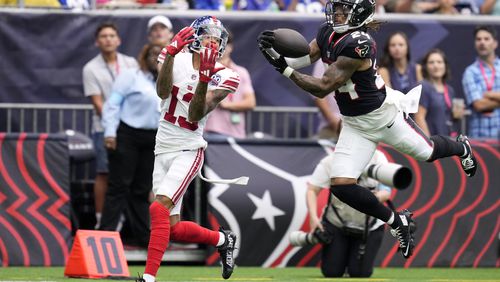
(458, 218)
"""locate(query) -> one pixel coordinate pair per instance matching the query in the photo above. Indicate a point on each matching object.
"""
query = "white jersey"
(175, 132)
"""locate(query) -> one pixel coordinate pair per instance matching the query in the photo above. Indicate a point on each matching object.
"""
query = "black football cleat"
(469, 162)
(226, 252)
(139, 278)
(404, 233)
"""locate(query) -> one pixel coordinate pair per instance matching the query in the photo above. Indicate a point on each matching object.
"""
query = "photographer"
(351, 239)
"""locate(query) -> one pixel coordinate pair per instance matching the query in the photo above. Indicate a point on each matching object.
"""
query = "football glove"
(207, 64)
(180, 40)
(266, 39)
(275, 59)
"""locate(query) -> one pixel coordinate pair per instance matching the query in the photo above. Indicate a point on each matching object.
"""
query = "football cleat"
(404, 233)
(139, 278)
(226, 252)
(469, 163)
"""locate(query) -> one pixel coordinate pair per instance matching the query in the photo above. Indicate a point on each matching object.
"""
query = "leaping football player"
(190, 84)
(371, 113)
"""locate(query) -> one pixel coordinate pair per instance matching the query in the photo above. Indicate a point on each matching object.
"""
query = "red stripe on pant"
(192, 173)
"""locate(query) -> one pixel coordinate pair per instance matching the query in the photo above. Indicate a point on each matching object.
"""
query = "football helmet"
(208, 26)
(356, 12)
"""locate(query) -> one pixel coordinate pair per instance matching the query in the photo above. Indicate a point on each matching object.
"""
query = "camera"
(301, 238)
(390, 174)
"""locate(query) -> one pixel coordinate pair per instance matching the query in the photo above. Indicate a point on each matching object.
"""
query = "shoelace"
(398, 233)
(468, 162)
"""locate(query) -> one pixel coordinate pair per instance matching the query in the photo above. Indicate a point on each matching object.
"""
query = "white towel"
(407, 103)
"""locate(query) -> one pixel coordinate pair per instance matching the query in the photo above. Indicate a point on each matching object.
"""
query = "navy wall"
(43, 53)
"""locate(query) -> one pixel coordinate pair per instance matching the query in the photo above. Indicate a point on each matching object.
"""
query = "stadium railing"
(297, 122)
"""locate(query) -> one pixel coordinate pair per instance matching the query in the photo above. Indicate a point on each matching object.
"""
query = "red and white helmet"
(208, 26)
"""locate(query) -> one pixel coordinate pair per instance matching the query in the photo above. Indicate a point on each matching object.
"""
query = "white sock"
(148, 277)
(391, 219)
(222, 240)
(98, 216)
(465, 150)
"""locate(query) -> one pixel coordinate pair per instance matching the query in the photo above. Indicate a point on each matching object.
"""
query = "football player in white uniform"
(190, 84)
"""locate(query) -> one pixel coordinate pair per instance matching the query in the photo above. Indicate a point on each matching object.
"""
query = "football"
(290, 43)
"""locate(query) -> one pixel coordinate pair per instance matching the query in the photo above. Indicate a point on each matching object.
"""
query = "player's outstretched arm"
(164, 82)
(335, 76)
(198, 107)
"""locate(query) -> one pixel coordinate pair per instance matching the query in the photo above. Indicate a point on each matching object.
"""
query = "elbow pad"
(298, 63)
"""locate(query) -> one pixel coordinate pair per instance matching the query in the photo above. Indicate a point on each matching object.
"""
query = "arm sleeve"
(225, 79)
(111, 114)
(473, 87)
(90, 82)
(112, 107)
(382, 187)
(162, 55)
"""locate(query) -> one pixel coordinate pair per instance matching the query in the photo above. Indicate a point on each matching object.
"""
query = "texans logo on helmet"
(362, 51)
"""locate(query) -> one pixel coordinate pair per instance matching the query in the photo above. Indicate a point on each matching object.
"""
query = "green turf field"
(168, 273)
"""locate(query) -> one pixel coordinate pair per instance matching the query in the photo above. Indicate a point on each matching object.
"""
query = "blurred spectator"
(257, 5)
(400, 6)
(98, 76)
(446, 7)
(208, 4)
(228, 119)
(32, 3)
(467, 7)
(160, 30)
(302, 6)
(396, 67)
(481, 85)
(130, 119)
(380, 6)
(436, 112)
(75, 4)
(490, 7)
(329, 114)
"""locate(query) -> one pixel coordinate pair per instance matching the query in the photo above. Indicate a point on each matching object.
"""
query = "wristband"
(287, 72)
(298, 63)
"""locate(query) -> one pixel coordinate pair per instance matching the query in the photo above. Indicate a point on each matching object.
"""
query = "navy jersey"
(365, 91)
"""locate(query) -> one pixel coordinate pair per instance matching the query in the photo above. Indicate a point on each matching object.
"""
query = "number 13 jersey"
(175, 131)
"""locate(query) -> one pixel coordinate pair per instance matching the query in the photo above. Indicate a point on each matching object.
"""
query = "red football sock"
(190, 232)
(159, 238)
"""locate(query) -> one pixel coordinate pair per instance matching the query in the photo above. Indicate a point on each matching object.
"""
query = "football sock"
(98, 216)
(396, 221)
(445, 147)
(190, 232)
(362, 200)
(222, 239)
(391, 219)
(159, 238)
(148, 277)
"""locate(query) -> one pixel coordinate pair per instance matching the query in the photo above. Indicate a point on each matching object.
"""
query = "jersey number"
(111, 261)
(182, 121)
(349, 88)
